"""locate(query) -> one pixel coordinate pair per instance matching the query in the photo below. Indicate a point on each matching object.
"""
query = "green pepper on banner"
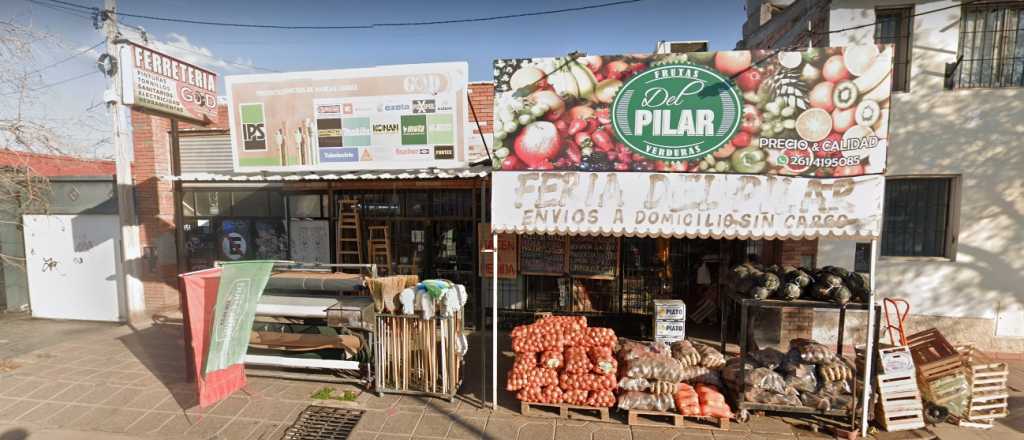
(823, 112)
(241, 285)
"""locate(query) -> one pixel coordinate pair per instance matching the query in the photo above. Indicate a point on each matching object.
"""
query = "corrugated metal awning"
(427, 173)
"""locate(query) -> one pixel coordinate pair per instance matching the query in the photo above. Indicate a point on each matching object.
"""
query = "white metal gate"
(74, 266)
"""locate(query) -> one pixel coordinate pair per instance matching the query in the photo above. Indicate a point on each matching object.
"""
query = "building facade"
(954, 208)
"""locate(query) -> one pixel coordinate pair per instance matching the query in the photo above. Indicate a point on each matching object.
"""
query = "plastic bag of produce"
(769, 358)
(703, 375)
(684, 352)
(709, 356)
(764, 396)
(731, 371)
(627, 349)
(634, 384)
(686, 401)
(720, 410)
(832, 388)
(802, 378)
(603, 398)
(837, 370)
(646, 401)
(815, 400)
(575, 397)
(655, 367)
(551, 359)
(767, 380)
(659, 387)
(576, 360)
(812, 352)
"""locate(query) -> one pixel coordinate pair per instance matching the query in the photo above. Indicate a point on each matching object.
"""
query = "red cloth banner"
(200, 291)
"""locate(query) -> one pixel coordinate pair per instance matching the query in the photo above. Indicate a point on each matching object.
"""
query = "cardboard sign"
(167, 85)
(241, 285)
(508, 258)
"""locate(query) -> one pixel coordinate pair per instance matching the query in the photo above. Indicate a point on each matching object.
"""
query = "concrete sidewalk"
(117, 382)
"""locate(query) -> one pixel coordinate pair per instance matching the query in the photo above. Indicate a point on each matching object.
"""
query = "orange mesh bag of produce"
(551, 359)
(599, 336)
(686, 400)
(712, 402)
(524, 362)
(603, 361)
(576, 360)
(551, 394)
(604, 398)
(537, 377)
(589, 382)
(529, 394)
(575, 397)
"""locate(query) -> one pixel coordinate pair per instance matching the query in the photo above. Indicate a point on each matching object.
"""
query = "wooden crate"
(566, 411)
(636, 417)
(950, 391)
(899, 405)
(933, 355)
(987, 384)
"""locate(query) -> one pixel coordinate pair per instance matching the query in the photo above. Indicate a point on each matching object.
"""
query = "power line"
(211, 57)
(359, 26)
(54, 84)
(81, 52)
(87, 13)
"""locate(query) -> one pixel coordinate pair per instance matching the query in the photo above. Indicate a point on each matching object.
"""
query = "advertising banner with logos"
(823, 112)
(166, 85)
(388, 117)
(687, 205)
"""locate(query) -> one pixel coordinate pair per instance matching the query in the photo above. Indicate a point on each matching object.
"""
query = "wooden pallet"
(566, 411)
(933, 355)
(636, 417)
(899, 402)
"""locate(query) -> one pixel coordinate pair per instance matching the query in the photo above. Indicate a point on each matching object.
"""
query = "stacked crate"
(898, 407)
(987, 384)
(940, 371)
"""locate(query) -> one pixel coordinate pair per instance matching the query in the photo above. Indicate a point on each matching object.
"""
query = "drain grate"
(323, 423)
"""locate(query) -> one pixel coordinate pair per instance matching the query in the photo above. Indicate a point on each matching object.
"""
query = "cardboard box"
(669, 331)
(670, 309)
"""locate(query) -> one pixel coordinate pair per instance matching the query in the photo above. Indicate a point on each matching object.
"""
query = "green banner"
(241, 285)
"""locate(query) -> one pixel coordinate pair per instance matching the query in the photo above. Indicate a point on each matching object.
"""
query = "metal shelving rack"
(745, 304)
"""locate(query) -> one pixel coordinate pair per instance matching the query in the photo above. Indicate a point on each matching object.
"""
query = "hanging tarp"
(687, 205)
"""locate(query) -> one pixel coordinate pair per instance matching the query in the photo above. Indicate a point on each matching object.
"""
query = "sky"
(635, 27)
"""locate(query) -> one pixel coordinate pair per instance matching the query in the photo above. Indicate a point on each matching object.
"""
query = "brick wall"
(481, 96)
(154, 200)
(796, 323)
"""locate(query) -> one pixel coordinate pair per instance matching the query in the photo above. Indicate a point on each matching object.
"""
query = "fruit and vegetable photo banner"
(686, 205)
(823, 112)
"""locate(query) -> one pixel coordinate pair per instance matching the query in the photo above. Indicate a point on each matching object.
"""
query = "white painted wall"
(978, 134)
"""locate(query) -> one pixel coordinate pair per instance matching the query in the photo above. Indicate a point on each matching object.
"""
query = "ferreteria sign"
(687, 205)
(823, 112)
(167, 85)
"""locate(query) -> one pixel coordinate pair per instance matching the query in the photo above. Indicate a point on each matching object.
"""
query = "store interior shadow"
(161, 349)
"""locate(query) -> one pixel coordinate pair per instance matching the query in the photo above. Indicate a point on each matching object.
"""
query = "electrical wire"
(53, 84)
(350, 27)
(72, 56)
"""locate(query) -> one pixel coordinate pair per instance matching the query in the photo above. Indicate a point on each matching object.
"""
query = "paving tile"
(270, 410)
(467, 428)
(176, 426)
(147, 399)
(433, 425)
(48, 391)
(72, 393)
(207, 427)
(41, 413)
(686, 433)
(121, 419)
(97, 394)
(538, 431)
(504, 428)
(120, 397)
(6, 402)
(363, 435)
(372, 421)
(148, 423)
(612, 432)
(734, 435)
(69, 416)
(401, 423)
(648, 433)
(18, 409)
(20, 387)
(230, 407)
(387, 401)
(267, 431)
(578, 432)
(239, 429)
(392, 437)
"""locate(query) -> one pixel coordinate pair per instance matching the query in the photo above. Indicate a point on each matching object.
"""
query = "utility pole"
(134, 304)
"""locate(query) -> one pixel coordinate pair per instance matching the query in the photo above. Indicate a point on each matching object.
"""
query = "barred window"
(917, 217)
(991, 46)
(895, 26)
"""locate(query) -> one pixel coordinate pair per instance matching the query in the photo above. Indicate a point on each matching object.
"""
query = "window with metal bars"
(991, 51)
(917, 217)
(895, 26)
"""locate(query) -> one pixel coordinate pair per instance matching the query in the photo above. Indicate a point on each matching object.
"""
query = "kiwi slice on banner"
(867, 113)
(845, 95)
